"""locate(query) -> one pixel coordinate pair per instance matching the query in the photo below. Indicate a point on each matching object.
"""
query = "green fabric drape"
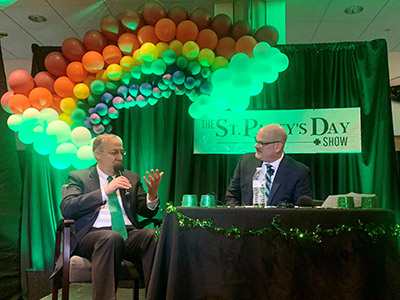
(10, 204)
(319, 76)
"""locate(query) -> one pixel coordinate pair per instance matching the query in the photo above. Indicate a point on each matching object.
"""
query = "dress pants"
(106, 248)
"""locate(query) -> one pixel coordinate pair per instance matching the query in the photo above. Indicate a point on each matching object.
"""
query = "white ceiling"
(307, 21)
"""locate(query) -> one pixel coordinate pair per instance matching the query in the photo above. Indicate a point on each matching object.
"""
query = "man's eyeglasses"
(116, 152)
(265, 143)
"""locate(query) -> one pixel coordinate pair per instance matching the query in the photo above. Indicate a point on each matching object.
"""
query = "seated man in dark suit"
(289, 179)
(93, 199)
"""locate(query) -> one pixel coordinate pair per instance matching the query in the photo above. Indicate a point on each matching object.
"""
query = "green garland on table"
(372, 230)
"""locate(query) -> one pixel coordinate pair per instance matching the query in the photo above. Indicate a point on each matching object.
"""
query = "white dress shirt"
(104, 217)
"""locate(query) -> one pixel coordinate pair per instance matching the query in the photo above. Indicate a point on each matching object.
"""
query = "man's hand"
(120, 182)
(153, 182)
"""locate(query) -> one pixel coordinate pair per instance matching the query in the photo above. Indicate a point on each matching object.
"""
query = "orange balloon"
(245, 45)
(55, 104)
(187, 31)
(18, 103)
(40, 98)
(222, 25)
(93, 61)
(177, 14)
(76, 71)
(165, 30)
(201, 17)
(64, 86)
(128, 43)
(226, 47)
(207, 38)
(147, 34)
(241, 28)
(112, 54)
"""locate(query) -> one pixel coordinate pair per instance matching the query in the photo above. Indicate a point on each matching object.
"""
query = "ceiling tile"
(335, 11)
(300, 32)
(339, 31)
(305, 11)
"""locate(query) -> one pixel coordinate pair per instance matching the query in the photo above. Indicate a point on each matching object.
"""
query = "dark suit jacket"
(292, 180)
(82, 201)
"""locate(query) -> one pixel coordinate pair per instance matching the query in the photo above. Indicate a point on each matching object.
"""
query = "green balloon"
(146, 68)
(136, 72)
(112, 86)
(168, 57)
(182, 62)
(93, 99)
(97, 87)
(78, 115)
(126, 78)
(194, 68)
(158, 67)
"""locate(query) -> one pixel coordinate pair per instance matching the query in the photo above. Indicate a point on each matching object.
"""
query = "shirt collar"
(275, 164)
(102, 175)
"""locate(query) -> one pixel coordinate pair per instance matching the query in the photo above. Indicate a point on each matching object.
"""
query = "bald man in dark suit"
(290, 179)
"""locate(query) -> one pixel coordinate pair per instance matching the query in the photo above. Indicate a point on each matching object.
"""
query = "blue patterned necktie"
(268, 174)
(117, 219)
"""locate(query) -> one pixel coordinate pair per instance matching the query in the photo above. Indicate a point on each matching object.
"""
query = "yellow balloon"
(137, 58)
(206, 57)
(114, 72)
(176, 46)
(161, 47)
(149, 52)
(219, 62)
(103, 76)
(81, 91)
(127, 62)
(190, 50)
(66, 118)
(67, 105)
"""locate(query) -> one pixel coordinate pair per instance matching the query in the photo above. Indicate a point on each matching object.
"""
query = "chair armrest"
(146, 222)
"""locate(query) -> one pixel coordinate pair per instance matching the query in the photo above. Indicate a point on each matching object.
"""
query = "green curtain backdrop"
(319, 76)
(10, 204)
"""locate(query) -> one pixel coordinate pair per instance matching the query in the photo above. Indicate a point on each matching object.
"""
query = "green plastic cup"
(189, 200)
(345, 202)
(207, 201)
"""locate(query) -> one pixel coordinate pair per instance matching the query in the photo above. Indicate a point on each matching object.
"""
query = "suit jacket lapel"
(94, 181)
(281, 174)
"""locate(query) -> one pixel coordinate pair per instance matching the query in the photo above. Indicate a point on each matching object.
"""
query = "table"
(196, 263)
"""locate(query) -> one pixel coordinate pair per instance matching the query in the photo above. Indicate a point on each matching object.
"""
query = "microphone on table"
(305, 201)
(285, 204)
(119, 170)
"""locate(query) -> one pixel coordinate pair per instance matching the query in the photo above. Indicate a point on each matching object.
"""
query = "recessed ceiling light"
(354, 9)
(37, 18)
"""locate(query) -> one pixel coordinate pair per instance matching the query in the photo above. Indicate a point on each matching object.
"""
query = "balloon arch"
(137, 59)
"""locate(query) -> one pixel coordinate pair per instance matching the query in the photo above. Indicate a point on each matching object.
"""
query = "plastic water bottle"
(259, 187)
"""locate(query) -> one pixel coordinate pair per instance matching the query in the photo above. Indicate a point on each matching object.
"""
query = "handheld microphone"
(119, 170)
(305, 201)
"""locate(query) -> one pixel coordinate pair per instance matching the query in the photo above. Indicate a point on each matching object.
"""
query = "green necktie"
(117, 219)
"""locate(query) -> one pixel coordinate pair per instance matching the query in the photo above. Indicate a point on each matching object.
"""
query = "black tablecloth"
(196, 263)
